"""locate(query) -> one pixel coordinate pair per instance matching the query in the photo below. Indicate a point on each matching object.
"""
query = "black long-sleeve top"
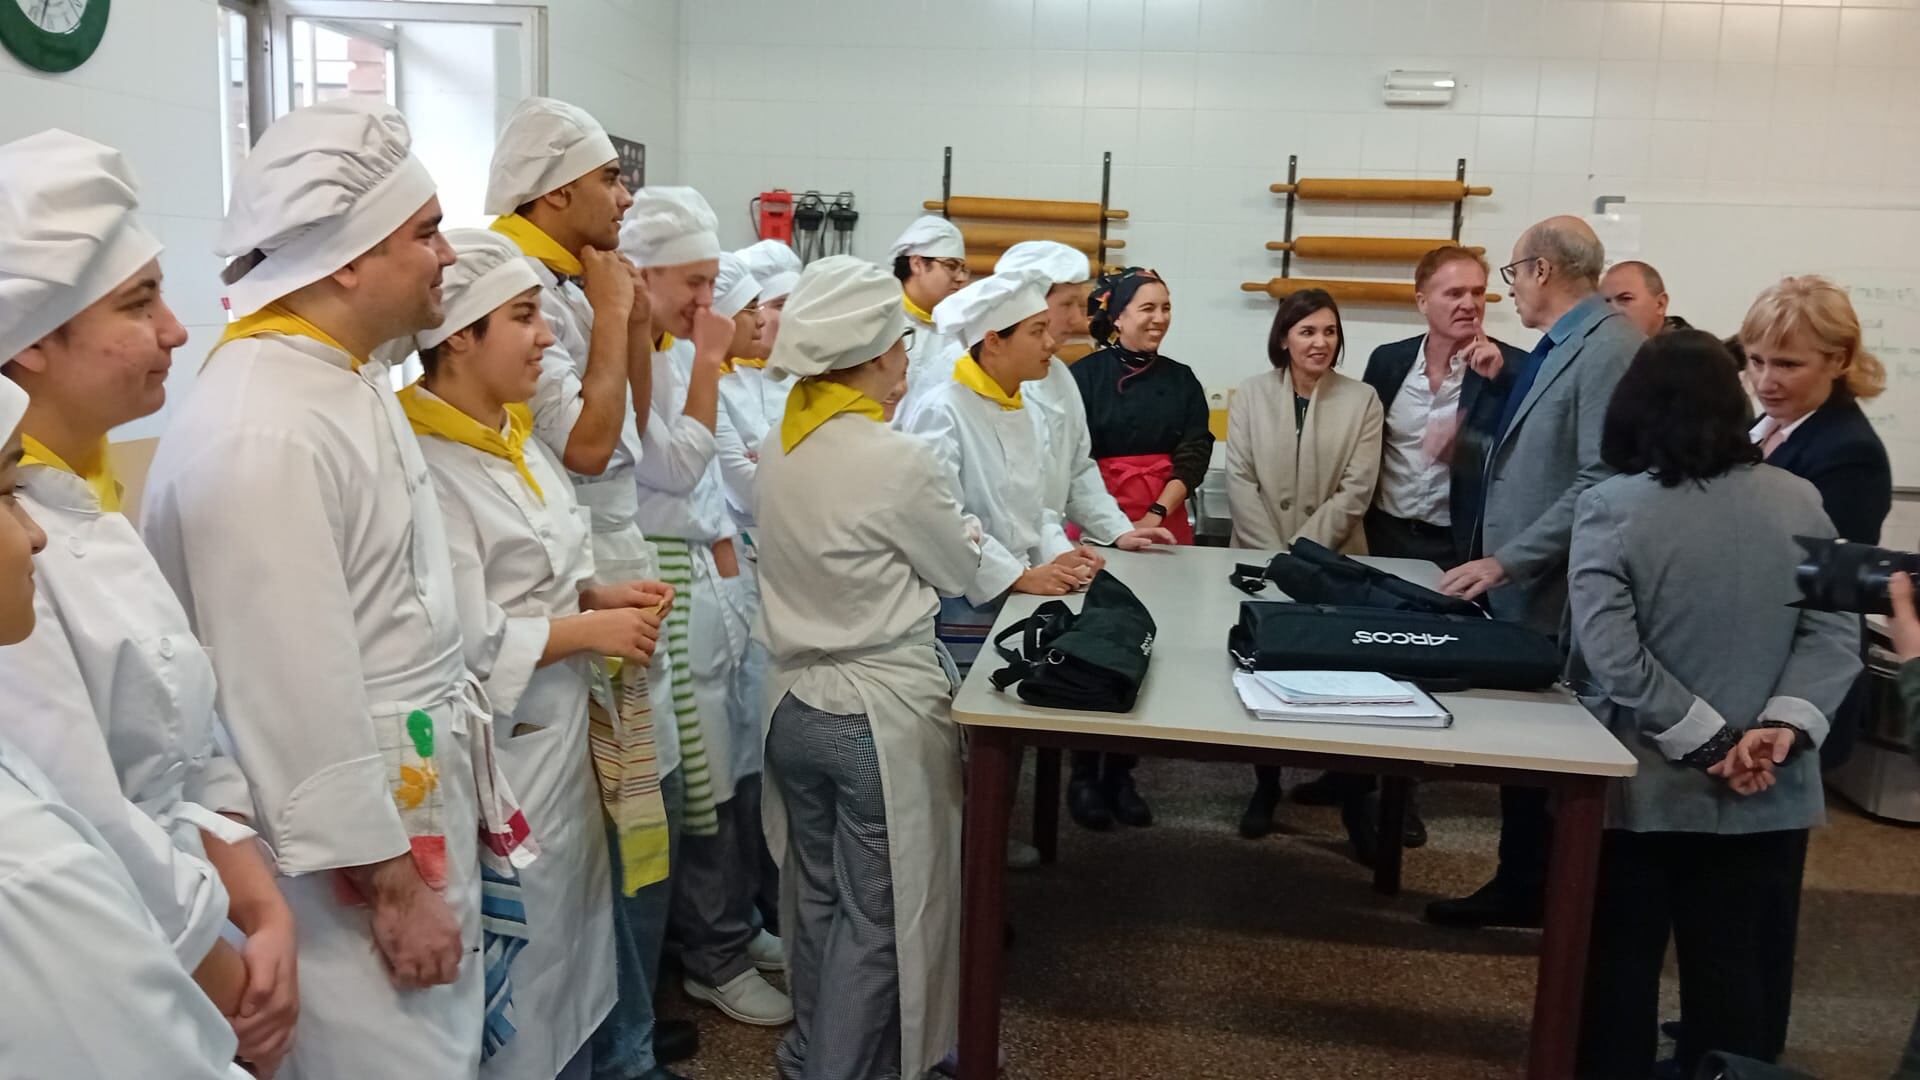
(1139, 403)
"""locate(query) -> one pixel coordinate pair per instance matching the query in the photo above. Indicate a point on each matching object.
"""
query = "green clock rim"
(53, 53)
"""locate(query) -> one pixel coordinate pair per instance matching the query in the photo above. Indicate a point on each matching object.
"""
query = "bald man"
(1546, 451)
(1636, 290)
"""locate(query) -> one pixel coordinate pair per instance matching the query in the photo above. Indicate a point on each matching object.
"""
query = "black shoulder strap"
(1248, 578)
(1021, 664)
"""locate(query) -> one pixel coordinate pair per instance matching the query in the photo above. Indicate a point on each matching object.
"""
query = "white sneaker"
(767, 952)
(746, 997)
(1021, 855)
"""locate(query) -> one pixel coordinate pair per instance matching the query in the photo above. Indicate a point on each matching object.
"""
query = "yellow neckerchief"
(915, 310)
(536, 244)
(968, 373)
(816, 401)
(431, 416)
(274, 319)
(663, 342)
(102, 483)
(734, 363)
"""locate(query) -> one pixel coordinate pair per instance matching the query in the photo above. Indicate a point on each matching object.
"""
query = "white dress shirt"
(1415, 485)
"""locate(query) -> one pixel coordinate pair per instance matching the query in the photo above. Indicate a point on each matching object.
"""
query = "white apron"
(518, 563)
(907, 696)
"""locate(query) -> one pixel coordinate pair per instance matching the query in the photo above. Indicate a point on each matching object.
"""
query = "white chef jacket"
(754, 403)
(520, 561)
(929, 366)
(290, 507)
(1415, 486)
(861, 529)
(557, 402)
(113, 698)
(1072, 486)
(92, 989)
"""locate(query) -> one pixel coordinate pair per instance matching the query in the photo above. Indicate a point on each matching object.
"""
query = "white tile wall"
(153, 88)
(1201, 102)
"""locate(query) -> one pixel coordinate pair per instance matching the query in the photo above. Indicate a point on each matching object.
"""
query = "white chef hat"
(546, 145)
(13, 407)
(670, 226)
(774, 265)
(68, 235)
(734, 286)
(1058, 263)
(931, 236)
(488, 270)
(322, 186)
(844, 312)
(992, 303)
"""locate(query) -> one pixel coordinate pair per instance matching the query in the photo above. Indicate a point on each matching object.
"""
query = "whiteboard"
(1716, 257)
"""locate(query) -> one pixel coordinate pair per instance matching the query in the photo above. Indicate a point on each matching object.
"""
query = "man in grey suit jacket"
(1546, 455)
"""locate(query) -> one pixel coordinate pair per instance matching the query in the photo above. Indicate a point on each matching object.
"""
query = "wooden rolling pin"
(1363, 247)
(990, 236)
(1359, 292)
(973, 206)
(1382, 190)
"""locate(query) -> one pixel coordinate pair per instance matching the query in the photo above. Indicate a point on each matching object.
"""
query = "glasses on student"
(906, 339)
(951, 266)
(1512, 269)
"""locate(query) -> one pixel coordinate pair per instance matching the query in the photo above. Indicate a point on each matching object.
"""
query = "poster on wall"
(633, 162)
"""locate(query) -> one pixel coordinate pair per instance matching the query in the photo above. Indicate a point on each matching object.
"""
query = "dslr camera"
(1838, 576)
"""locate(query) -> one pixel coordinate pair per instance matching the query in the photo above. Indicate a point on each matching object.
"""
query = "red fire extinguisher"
(773, 215)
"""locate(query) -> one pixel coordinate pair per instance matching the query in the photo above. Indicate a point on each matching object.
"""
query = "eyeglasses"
(906, 339)
(1512, 269)
(957, 267)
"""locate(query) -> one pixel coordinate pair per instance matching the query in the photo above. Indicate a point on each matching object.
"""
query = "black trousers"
(1526, 835)
(1403, 538)
(1731, 906)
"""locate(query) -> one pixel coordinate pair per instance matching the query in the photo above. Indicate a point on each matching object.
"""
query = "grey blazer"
(1681, 623)
(1546, 458)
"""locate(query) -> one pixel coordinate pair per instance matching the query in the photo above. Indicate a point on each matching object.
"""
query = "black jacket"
(1838, 452)
(1481, 401)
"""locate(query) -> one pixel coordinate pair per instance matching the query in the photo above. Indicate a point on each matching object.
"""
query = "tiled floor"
(1183, 951)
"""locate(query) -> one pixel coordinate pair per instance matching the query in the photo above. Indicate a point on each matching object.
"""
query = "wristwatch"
(1156, 508)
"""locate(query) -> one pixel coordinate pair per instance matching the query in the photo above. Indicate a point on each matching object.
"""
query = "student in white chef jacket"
(744, 391)
(555, 184)
(862, 529)
(930, 262)
(522, 566)
(112, 696)
(753, 398)
(996, 445)
(290, 508)
(1071, 485)
(80, 943)
(671, 235)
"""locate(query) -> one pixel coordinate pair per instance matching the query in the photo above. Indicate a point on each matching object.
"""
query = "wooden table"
(1189, 709)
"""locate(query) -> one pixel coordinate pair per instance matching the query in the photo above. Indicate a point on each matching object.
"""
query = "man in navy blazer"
(1546, 454)
(1442, 392)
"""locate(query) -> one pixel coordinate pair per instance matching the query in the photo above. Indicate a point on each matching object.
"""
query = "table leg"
(1046, 802)
(983, 899)
(1573, 870)
(1393, 834)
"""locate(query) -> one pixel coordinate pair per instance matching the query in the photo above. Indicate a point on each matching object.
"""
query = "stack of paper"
(1386, 702)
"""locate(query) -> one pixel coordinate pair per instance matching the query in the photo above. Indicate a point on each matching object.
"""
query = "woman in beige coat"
(1303, 440)
(1303, 455)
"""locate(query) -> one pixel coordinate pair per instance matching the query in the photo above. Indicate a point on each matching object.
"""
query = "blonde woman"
(1807, 366)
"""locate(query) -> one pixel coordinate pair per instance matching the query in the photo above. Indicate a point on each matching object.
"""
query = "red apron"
(1136, 481)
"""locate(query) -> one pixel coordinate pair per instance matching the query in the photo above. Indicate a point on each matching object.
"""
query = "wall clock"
(52, 35)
